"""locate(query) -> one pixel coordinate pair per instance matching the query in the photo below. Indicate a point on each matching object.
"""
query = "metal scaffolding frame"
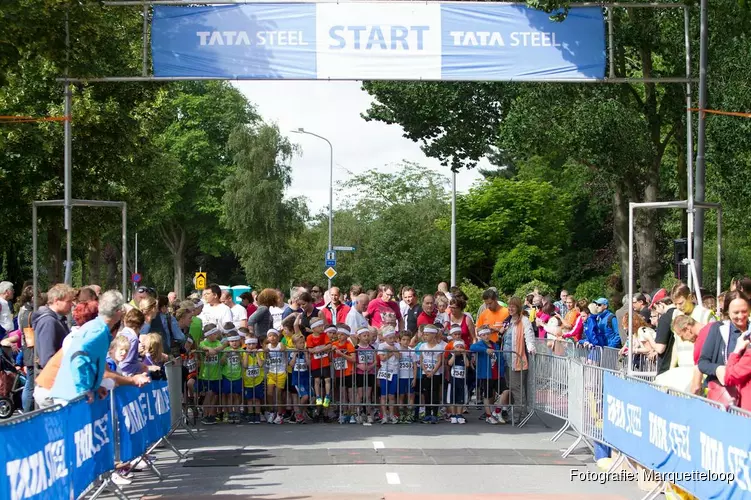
(69, 204)
(611, 78)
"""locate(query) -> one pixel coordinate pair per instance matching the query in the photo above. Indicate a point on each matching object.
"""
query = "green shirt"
(210, 369)
(232, 368)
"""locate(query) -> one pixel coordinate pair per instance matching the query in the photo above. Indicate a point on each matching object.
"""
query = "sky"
(332, 110)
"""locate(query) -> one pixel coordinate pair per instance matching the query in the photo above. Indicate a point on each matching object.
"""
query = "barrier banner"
(685, 441)
(377, 41)
(143, 417)
(90, 442)
(33, 454)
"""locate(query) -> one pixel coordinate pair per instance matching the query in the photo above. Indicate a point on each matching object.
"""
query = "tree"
(260, 220)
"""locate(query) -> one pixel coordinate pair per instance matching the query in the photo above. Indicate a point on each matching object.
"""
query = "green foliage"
(527, 288)
(261, 221)
(593, 289)
(474, 296)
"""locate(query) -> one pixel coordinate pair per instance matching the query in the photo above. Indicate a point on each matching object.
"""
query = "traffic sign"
(330, 258)
(200, 280)
(344, 249)
(135, 278)
(330, 273)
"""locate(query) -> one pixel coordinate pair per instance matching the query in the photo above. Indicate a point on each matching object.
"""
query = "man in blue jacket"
(607, 324)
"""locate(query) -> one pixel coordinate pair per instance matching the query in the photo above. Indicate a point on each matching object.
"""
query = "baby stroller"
(12, 382)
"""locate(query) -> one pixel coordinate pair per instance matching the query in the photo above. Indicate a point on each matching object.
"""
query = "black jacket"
(715, 352)
(49, 331)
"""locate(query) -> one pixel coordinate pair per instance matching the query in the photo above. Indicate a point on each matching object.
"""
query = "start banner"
(685, 441)
(377, 41)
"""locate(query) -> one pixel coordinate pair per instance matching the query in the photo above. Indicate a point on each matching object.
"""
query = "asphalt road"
(393, 462)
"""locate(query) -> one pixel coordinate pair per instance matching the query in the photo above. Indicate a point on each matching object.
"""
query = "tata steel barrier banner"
(57, 452)
(143, 417)
(377, 41)
(687, 442)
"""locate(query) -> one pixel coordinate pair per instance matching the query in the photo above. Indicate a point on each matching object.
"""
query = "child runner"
(319, 346)
(431, 362)
(232, 378)
(456, 393)
(344, 361)
(388, 374)
(210, 373)
(299, 360)
(288, 331)
(407, 378)
(365, 373)
(253, 359)
(277, 374)
(487, 360)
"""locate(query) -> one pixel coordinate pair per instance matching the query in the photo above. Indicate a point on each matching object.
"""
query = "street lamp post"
(331, 186)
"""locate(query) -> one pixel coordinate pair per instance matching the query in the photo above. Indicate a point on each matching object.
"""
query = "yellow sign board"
(200, 280)
(330, 273)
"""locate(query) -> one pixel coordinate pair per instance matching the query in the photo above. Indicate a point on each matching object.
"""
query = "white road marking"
(393, 478)
(377, 445)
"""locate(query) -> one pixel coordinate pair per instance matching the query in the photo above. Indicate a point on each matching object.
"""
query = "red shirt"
(465, 329)
(251, 309)
(318, 360)
(425, 319)
(738, 374)
(699, 343)
(377, 307)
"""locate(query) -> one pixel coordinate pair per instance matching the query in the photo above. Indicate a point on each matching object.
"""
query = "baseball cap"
(602, 301)
(658, 296)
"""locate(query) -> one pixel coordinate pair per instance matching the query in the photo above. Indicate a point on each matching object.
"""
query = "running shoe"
(319, 402)
(461, 420)
(453, 419)
(278, 420)
(353, 419)
(326, 401)
(491, 420)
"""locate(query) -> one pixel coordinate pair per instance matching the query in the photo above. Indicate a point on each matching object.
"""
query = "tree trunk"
(54, 256)
(173, 238)
(620, 230)
(95, 263)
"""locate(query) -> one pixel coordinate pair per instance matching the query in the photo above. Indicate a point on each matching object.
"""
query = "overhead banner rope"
(727, 113)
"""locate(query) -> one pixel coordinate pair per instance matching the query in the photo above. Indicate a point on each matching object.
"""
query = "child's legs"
(317, 384)
(327, 384)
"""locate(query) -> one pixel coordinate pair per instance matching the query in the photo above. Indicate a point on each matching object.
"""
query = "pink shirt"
(378, 307)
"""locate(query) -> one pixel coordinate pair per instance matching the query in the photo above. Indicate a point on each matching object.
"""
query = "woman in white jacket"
(518, 342)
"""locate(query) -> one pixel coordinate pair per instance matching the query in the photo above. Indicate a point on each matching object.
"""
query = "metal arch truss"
(79, 203)
(689, 206)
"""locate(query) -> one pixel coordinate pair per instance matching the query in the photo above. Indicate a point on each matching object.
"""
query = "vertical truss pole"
(611, 50)
(689, 145)
(700, 143)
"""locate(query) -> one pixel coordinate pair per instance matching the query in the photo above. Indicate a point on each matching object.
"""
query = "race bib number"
(212, 360)
(301, 365)
(340, 364)
(274, 361)
(190, 365)
(457, 371)
(429, 367)
(384, 375)
(365, 357)
(233, 360)
(405, 365)
(252, 371)
(320, 355)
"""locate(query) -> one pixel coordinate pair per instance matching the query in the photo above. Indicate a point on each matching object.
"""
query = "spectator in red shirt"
(384, 304)
(427, 316)
(248, 299)
(335, 311)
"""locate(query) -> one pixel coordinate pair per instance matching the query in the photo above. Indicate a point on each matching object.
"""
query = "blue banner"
(33, 453)
(90, 442)
(143, 417)
(700, 448)
(377, 40)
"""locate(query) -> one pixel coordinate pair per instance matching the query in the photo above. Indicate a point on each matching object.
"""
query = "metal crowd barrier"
(360, 386)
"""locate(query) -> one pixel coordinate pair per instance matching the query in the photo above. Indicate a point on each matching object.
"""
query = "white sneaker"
(454, 420)
(394, 420)
(370, 419)
(461, 420)
(497, 415)
(270, 418)
(120, 480)
(141, 465)
(490, 419)
(278, 420)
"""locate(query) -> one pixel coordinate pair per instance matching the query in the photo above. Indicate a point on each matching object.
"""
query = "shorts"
(405, 386)
(300, 383)
(362, 379)
(342, 380)
(389, 387)
(277, 379)
(256, 392)
(456, 393)
(324, 372)
(214, 386)
(486, 388)
(288, 386)
(232, 386)
(502, 385)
